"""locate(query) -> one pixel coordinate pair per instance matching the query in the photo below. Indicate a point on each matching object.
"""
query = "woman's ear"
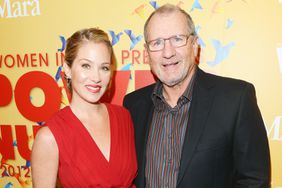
(67, 70)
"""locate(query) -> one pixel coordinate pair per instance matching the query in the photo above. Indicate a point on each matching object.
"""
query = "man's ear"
(146, 52)
(197, 51)
(146, 48)
(195, 46)
(67, 70)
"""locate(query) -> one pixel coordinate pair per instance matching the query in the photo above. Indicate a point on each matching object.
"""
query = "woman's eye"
(106, 68)
(87, 66)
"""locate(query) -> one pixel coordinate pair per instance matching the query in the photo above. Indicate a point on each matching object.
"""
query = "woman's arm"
(44, 159)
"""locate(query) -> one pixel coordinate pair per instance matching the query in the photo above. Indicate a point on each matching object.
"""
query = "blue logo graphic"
(200, 40)
(126, 67)
(27, 164)
(229, 23)
(222, 52)
(115, 38)
(40, 123)
(58, 74)
(134, 40)
(63, 41)
(154, 4)
(15, 143)
(196, 5)
(8, 185)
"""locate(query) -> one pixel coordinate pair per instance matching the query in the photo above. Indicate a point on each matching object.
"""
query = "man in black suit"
(194, 129)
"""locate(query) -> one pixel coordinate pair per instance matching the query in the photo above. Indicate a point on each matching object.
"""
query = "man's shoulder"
(224, 81)
(142, 92)
(139, 97)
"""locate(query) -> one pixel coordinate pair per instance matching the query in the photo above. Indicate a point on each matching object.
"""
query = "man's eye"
(156, 42)
(177, 39)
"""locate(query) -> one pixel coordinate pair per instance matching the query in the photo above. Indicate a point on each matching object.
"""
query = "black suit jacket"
(225, 144)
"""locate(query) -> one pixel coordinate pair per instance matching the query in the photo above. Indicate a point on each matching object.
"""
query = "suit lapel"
(147, 111)
(200, 106)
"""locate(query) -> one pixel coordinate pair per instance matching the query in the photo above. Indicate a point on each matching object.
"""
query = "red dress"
(82, 164)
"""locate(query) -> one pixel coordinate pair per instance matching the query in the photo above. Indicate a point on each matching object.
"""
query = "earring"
(67, 78)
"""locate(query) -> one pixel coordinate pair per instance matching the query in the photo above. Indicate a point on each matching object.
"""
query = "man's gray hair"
(166, 9)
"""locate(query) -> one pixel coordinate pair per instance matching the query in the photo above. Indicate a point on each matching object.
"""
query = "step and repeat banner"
(239, 38)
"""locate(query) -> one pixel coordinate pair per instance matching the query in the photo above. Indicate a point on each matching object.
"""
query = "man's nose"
(169, 50)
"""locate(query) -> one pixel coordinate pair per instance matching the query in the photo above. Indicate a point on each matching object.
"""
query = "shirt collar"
(159, 100)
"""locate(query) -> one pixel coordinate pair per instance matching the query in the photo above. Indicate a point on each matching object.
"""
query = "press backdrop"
(239, 38)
